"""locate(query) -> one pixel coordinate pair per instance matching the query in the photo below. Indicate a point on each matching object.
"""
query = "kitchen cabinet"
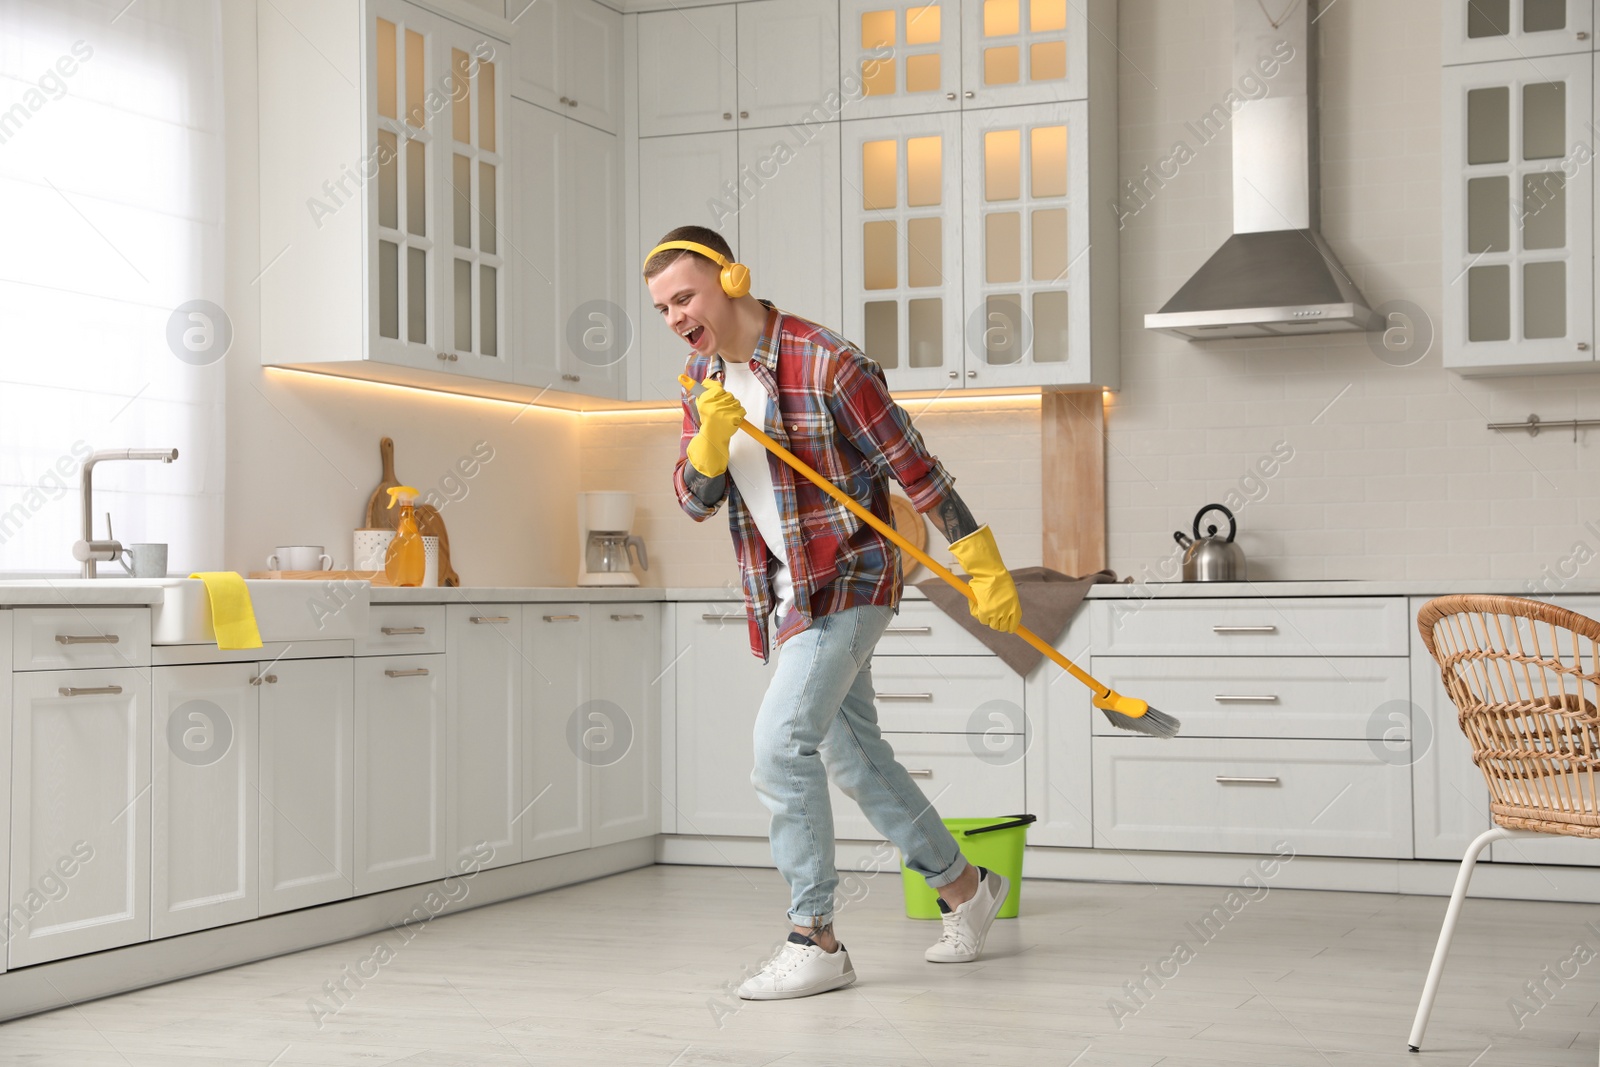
(688, 180)
(307, 778)
(401, 809)
(788, 62)
(720, 686)
(485, 733)
(618, 732)
(1479, 30)
(382, 221)
(688, 76)
(556, 801)
(6, 623)
(901, 57)
(80, 794)
(204, 790)
(789, 219)
(902, 224)
(1518, 216)
(571, 331)
(569, 59)
(1028, 51)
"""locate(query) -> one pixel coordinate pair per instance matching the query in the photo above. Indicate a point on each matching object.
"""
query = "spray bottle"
(405, 562)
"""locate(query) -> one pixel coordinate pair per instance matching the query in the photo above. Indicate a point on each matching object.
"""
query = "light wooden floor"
(631, 969)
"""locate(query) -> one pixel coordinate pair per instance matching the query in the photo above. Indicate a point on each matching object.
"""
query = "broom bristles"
(1152, 722)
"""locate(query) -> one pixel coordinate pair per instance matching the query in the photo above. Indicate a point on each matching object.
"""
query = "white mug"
(149, 560)
(299, 558)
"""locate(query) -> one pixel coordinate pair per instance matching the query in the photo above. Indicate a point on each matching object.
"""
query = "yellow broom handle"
(916, 553)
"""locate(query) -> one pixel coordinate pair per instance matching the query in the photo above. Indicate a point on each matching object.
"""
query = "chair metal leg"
(1463, 878)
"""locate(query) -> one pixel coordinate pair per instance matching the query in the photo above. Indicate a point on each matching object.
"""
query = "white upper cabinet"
(788, 63)
(1518, 180)
(689, 180)
(1480, 30)
(1025, 51)
(1026, 239)
(688, 76)
(902, 247)
(899, 58)
(382, 220)
(569, 59)
(789, 225)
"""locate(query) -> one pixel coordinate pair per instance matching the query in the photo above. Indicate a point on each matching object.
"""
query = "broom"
(1125, 713)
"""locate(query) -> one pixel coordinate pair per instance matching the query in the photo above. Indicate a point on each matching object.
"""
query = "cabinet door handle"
(920, 772)
(953, 374)
(727, 116)
(1244, 629)
(949, 96)
(905, 696)
(268, 679)
(1241, 779)
(450, 357)
(972, 374)
(392, 631)
(572, 103)
(905, 631)
(86, 639)
(413, 672)
(491, 618)
(1246, 698)
(564, 100)
(744, 114)
(967, 94)
(571, 378)
(626, 618)
(708, 617)
(562, 618)
(89, 690)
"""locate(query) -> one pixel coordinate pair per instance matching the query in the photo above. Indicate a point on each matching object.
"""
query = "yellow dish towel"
(232, 617)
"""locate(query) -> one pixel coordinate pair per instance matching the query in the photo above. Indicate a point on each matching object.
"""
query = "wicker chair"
(1523, 676)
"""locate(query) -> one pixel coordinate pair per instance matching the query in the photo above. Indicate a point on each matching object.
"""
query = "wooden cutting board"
(908, 523)
(431, 524)
(379, 516)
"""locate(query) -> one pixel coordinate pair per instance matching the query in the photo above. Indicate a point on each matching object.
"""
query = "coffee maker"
(604, 542)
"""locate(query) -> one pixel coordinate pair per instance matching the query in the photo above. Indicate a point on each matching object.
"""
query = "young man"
(832, 581)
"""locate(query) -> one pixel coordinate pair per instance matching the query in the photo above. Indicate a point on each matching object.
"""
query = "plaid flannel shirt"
(834, 412)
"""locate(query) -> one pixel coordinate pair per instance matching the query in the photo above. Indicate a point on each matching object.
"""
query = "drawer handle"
(267, 679)
(1239, 779)
(906, 630)
(413, 672)
(92, 639)
(392, 631)
(491, 618)
(920, 772)
(1246, 698)
(708, 617)
(89, 690)
(905, 696)
(636, 616)
(1244, 629)
(562, 618)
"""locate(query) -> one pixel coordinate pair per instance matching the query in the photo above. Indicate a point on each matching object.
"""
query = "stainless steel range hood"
(1275, 276)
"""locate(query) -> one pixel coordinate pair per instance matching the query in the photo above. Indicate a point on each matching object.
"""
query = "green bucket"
(994, 843)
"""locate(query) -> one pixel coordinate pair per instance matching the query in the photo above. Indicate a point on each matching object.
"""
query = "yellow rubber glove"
(720, 412)
(995, 602)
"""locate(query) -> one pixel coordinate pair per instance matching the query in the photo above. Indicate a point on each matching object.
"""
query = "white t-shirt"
(747, 464)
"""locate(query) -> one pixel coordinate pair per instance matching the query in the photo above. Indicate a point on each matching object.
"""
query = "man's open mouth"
(694, 335)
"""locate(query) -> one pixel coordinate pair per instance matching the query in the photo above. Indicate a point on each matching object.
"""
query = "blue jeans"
(818, 719)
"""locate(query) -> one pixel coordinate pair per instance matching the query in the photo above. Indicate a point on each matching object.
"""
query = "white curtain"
(111, 183)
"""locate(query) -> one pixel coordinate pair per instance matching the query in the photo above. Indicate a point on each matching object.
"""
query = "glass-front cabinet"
(899, 58)
(1477, 31)
(383, 195)
(1023, 51)
(1519, 227)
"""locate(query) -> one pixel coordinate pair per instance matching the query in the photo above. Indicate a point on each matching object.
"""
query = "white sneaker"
(799, 969)
(966, 926)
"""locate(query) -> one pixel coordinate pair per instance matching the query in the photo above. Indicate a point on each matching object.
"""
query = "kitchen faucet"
(88, 550)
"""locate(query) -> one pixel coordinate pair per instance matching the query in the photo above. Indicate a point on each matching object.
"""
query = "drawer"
(403, 629)
(55, 639)
(955, 782)
(1348, 697)
(1254, 626)
(947, 694)
(1325, 798)
(920, 629)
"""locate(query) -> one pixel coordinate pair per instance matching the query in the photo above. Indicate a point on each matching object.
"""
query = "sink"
(285, 610)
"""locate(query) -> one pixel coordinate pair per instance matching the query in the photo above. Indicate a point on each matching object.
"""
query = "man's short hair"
(701, 235)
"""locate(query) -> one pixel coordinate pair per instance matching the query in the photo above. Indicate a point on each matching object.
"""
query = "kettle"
(1211, 558)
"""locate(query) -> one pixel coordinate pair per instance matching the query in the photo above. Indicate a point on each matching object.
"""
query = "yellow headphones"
(735, 277)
